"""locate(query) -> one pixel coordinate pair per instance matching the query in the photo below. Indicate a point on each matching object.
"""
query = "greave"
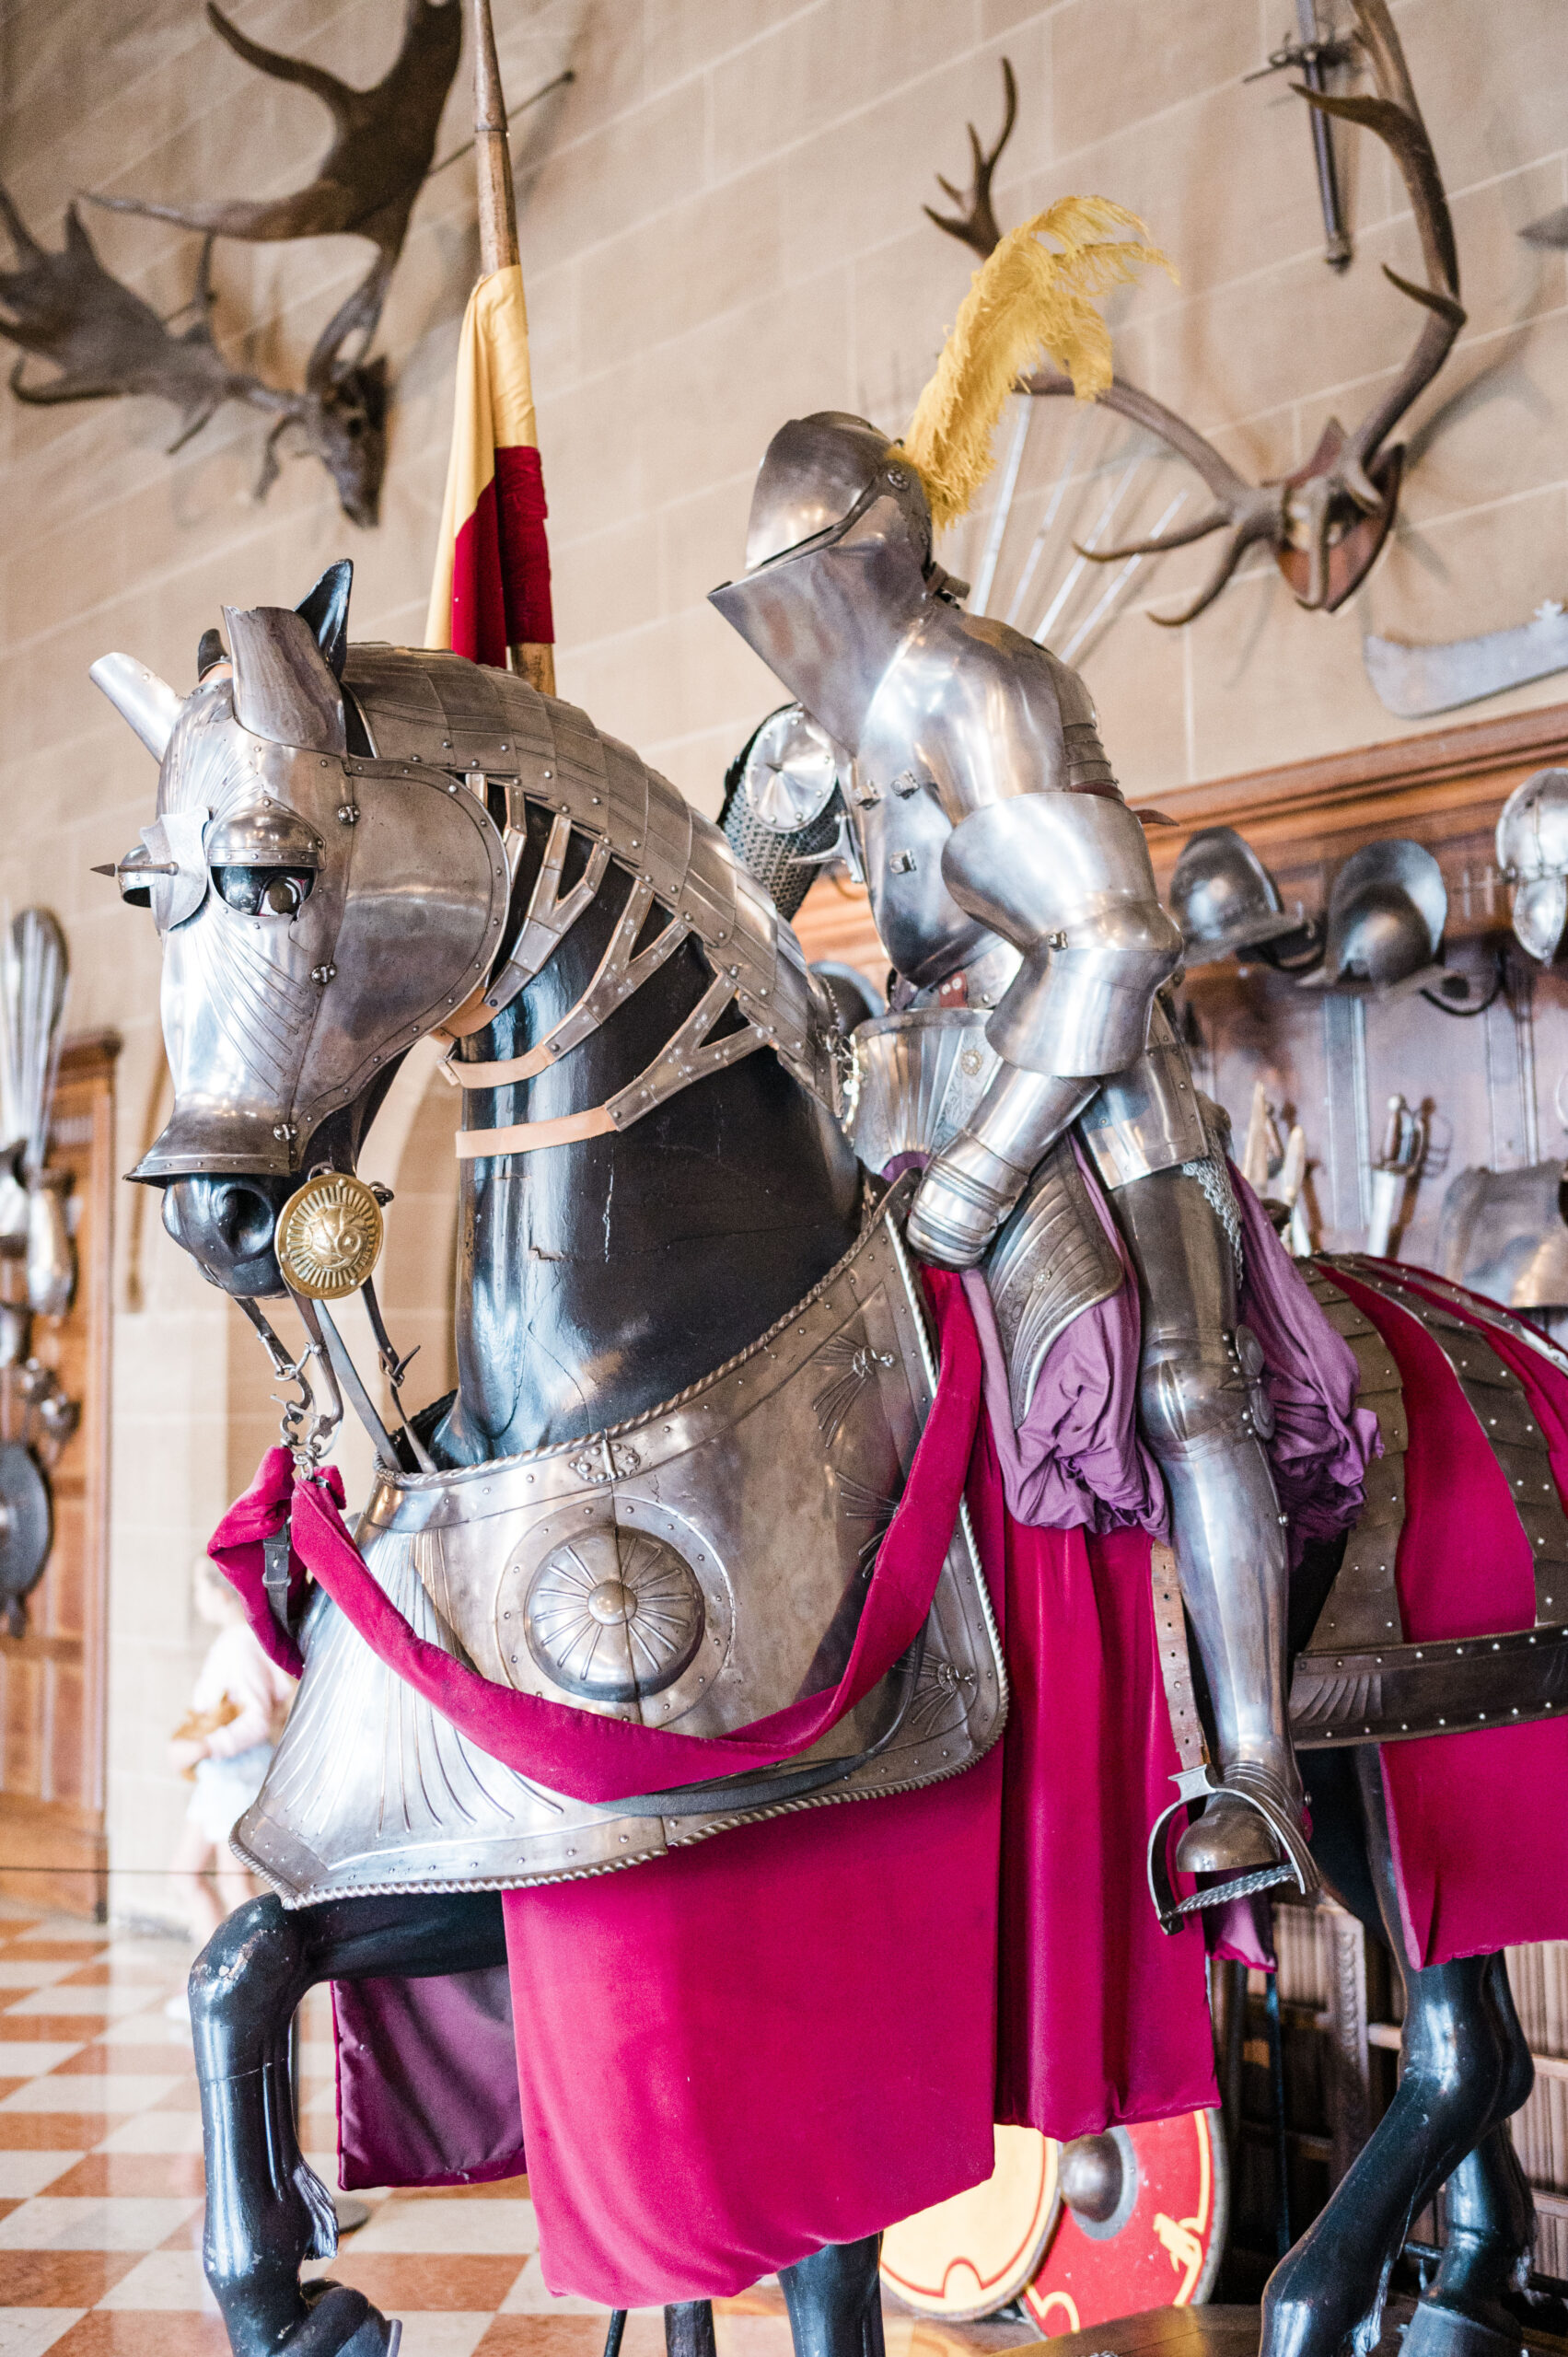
(1230, 1555)
(1204, 1410)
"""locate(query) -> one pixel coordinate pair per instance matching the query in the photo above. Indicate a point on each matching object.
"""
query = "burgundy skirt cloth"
(1480, 1866)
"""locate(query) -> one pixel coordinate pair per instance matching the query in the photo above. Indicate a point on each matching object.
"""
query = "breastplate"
(699, 1567)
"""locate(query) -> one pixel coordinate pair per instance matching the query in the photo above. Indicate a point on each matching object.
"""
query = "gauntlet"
(973, 1183)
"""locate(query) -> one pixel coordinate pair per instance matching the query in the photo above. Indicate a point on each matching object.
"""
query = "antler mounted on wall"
(1326, 522)
(104, 340)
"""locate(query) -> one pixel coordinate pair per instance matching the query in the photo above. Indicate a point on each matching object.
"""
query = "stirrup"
(1297, 1865)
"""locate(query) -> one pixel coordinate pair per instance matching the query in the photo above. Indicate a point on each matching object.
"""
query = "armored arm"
(1066, 879)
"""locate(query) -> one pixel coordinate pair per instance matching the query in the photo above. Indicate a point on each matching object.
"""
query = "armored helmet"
(837, 559)
(1532, 852)
(1388, 907)
(1225, 899)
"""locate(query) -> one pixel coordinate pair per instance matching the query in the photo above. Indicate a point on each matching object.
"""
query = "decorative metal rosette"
(618, 1603)
(614, 1614)
(329, 1235)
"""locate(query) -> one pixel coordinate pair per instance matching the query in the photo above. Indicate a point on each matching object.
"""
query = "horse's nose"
(226, 1225)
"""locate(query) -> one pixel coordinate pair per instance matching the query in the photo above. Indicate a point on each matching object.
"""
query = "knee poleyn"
(1190, 1399)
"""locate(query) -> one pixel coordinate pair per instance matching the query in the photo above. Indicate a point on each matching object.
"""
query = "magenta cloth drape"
(803, 2030)
(1480, 1820)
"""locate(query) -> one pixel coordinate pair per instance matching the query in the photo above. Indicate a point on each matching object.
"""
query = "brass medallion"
(329, 1235)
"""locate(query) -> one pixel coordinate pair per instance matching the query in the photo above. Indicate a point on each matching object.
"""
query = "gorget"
(698, 1567)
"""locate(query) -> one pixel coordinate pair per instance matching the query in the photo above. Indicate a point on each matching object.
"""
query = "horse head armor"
(315, 923)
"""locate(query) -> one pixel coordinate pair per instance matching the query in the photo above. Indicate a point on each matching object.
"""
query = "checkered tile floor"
(101, 2182)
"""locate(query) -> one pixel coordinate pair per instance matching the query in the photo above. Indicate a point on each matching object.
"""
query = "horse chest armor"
(698, 1567)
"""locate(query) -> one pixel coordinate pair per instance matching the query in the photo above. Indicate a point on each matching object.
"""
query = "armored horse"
(641, 1598)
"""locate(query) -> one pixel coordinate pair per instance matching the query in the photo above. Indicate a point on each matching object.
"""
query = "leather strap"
(1176, 1665)
(528, 1137)
(619, 974)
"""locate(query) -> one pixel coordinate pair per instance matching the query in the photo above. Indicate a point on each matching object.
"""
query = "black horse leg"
(835, 2300)
(267, 2213)
(1459, 2072)
(1490, 2222)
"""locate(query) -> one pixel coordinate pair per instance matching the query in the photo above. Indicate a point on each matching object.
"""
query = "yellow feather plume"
(1024, 299)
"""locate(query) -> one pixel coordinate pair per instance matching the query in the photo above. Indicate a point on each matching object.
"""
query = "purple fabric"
(427, 2083)
(1078, 1461)
(1322, 1442)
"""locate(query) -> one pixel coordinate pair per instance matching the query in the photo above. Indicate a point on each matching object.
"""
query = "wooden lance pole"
(498, 239)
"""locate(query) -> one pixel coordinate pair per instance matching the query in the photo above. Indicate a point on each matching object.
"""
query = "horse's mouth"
(228, 1225)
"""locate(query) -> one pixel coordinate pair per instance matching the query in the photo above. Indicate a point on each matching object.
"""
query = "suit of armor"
(1007, 873)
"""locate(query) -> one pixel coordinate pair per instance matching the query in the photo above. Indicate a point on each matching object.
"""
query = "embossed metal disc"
(790, 771)
(24, 1521)
(329, 1235)
(1161, 2245)
(613, 1615)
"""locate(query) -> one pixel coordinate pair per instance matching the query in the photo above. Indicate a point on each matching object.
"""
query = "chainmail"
(1214, 1179)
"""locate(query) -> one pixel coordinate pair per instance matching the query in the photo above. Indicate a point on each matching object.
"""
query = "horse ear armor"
(210, 652)
(326, 611)
(285, 690)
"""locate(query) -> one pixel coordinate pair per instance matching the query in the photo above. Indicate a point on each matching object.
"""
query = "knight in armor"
(1007, 873)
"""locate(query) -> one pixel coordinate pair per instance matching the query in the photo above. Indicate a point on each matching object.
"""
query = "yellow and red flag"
(490, 590)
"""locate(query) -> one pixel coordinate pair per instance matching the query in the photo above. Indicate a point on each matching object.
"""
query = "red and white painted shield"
(1105, 2226)
(1159, 2191)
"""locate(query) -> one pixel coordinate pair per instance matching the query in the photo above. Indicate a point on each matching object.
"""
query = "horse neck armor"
(491, 726)
(698, 1567)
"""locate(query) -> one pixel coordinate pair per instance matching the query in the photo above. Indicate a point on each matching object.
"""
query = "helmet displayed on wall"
(1532, 852)
(1387, 910)
(1225, 899)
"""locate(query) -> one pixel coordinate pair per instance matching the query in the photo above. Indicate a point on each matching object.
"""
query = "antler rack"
(104, 340)
(1326, 522)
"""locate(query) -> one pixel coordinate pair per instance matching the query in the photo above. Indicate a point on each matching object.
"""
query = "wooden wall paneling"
(52, 1678)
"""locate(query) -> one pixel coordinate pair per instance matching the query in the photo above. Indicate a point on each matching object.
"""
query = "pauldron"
(698, 1567)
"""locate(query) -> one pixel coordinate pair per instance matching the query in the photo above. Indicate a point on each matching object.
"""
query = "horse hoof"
(1438, 2329)
(1229, 1838)
(341, 2322)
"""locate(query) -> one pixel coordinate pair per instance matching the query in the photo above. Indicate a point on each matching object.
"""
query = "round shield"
(1142, 2224)
(26, 1524)
(329, 1235)
(968, 2257)
(790, 772)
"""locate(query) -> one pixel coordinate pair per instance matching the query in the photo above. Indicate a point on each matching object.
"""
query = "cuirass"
(698, 1567)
